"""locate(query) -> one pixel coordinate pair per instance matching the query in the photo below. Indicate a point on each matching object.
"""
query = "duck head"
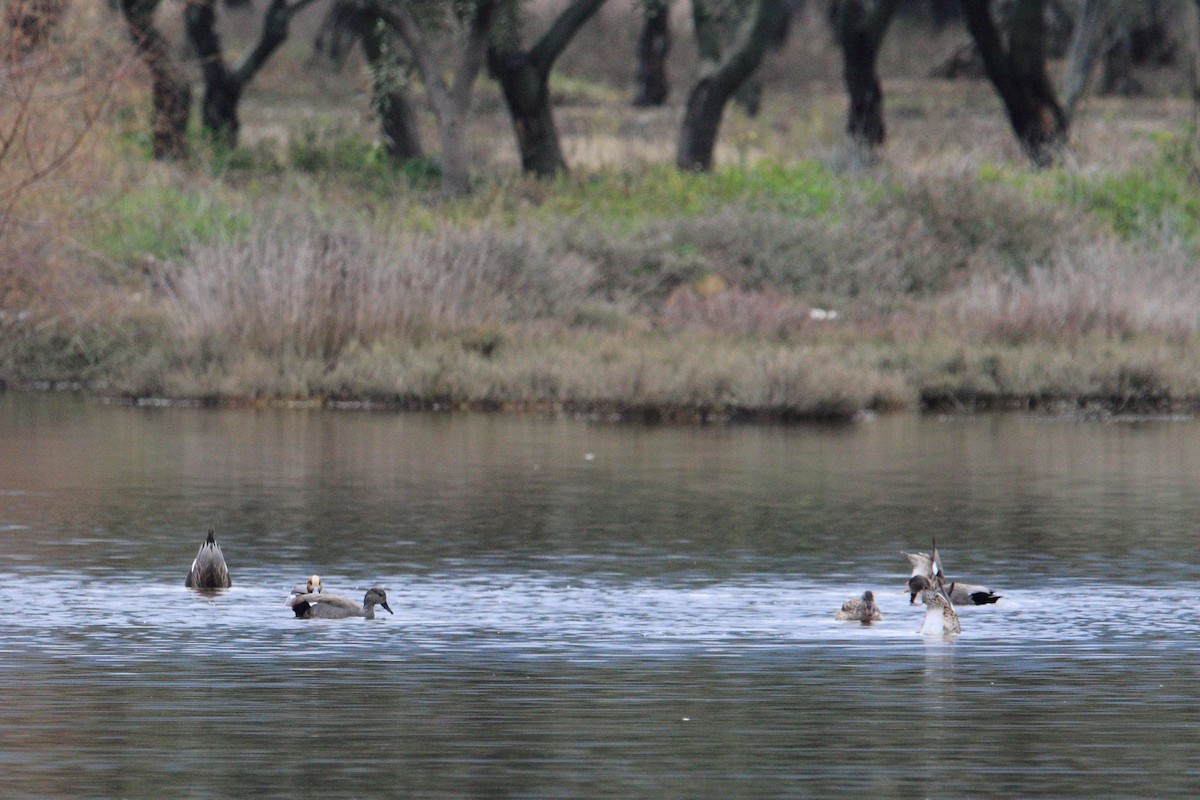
(376, 597)
(917, 584)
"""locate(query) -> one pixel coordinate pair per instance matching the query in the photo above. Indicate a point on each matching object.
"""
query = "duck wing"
(922, 564)
(329, 606)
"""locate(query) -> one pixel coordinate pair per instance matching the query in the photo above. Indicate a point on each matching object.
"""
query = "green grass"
(806, 189)
(161, 222)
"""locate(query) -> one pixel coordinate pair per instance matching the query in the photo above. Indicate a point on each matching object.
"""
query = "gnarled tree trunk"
(451, 101)
(397, 120)
(171, 96)
(720, 78)
(861, 26)
(1018, 72)
(524, 77)
(653, 46)
(223, 87)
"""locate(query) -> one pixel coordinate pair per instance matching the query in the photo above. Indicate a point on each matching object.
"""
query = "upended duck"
(331, 606)
(295, 603)
(208, 569)
(940, 616)
(860, 609)
(929, 567)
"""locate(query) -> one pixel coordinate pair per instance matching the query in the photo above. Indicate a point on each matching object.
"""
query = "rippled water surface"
(586, 610)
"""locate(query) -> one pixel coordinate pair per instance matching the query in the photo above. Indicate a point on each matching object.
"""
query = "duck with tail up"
(927, 572)
(208, 569)
(940, 616)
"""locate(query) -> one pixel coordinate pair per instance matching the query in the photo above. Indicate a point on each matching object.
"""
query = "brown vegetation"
(790, 283)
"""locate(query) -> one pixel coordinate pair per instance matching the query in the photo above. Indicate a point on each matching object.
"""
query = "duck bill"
(386, 606)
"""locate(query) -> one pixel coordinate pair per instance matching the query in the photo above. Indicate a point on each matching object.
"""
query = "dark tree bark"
(223, 86)
(1018, 72)
(171, 96)
(337, 33)
(720, 78)
(397, 120)
(861, 26)
(524, 77)
(653, 87)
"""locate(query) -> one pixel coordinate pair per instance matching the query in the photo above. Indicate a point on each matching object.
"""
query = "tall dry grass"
(1106, 287)
(297, 286)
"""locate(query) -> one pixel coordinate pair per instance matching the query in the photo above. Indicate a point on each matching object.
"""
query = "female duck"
(858, 609)
(331, 606)
(940, 616)
(208, 569)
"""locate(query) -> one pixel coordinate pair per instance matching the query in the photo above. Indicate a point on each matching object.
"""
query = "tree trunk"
(1083, 52)
(860, 33)
(524, 78)
(1018, 73)
(451, 101)
(719, 79)
(222, 86)
(397, 120)
(1191, 34)
(219, 106)
(653, 46)
(527, 94)
(455, 161)
(171, 96)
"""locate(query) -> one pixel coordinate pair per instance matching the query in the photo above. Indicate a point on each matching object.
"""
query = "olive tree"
(223, 86)
(524, 77)
(720, 76)
(445, 38)
(170, 93)
(1015, 61)
(861, 25)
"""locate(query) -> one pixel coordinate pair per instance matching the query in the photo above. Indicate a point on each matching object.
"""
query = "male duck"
(208, 569)
(929, 568)
(331, 606)
(295, 603)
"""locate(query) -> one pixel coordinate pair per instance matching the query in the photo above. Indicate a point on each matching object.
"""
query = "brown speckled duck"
(859, 609)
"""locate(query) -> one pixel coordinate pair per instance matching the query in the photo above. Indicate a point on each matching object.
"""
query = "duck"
(940, 616)
(332, 606)
(293, 600)
(860, 609)
(208, 569)
(929, 567)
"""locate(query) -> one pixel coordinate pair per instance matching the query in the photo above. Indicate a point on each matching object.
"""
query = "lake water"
(587, 610)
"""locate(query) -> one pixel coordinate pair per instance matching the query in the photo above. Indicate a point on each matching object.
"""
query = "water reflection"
(656, 620)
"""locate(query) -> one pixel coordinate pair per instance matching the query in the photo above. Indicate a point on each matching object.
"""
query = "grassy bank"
(785, 285)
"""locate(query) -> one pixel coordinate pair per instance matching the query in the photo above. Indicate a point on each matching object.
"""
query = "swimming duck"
(940, 616)
(295, 603)
(208, 569)
(858, 609)
(929, 567)
(331, 606)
